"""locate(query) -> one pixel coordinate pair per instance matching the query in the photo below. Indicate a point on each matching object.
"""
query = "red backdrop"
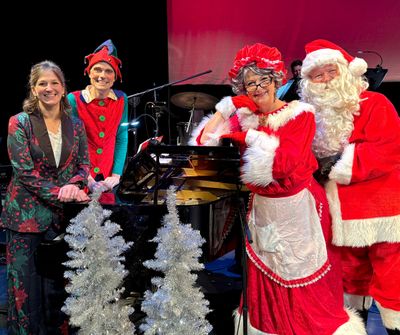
(206, 34)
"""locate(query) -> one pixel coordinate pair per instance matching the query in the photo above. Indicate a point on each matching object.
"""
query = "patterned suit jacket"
(31, 203)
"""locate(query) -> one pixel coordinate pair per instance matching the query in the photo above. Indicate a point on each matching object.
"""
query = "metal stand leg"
(244, 234)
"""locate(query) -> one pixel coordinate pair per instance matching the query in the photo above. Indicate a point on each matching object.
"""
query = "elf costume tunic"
(107, 137)
(292, 266)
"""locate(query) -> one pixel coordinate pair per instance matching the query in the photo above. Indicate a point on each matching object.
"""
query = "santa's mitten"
(238, 137)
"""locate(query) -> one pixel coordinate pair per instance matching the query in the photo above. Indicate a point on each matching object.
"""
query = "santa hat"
(321, 52)
(105, 52)
(262, 55)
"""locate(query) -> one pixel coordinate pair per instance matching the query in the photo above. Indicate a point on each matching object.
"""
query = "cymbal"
(195, 100)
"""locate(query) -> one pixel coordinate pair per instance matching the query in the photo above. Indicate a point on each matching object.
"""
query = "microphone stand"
(154, 89)
(191, 117)
(245, 234)
(135, 122)
(374, 75)
(168, 84)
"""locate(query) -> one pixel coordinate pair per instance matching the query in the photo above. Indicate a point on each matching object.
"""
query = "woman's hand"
(68, 193)
(241, 101)
(82, 196)
(229, 105)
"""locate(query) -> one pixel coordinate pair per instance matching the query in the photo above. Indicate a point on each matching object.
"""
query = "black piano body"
(206, 199)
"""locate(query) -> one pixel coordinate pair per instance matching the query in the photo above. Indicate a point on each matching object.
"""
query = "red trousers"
(373, 271)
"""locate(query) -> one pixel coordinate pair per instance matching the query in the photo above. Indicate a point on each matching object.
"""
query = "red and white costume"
(292, 267)
(364, 186)
(364, 198)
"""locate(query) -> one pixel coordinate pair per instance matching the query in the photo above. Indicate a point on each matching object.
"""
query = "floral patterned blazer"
(31, 203)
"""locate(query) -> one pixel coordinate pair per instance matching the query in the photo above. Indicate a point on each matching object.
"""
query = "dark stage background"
(67, 35)
(140, 34)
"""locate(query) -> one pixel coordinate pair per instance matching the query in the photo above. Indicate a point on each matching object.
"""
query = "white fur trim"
(249, 120)
(259, 158)
(363, 232)
(213, 138)
(290, 112)
(197, 130)
(358, 66)
(321, 57)
(355, 325)
(225, 107)
(358, 302)
(342, 171)
(390, 317)
(250, 329)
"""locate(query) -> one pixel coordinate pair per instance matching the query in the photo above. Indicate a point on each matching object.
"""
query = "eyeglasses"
(252, 87)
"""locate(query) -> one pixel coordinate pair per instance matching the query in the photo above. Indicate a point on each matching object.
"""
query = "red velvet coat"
(364, 191)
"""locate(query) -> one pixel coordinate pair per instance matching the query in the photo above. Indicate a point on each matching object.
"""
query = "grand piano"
(209, 196)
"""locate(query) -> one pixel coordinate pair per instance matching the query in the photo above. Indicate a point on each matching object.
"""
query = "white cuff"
(259, 158)
(225, 107)
(342, 171)
(252, 136)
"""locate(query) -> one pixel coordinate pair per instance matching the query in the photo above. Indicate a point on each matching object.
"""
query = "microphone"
(372, 52)
(157, 104)
(374, 75)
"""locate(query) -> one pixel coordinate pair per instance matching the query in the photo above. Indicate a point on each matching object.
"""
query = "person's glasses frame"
(263, 84)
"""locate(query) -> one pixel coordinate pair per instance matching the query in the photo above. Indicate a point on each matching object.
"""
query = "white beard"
(333, 115)
(332, 132)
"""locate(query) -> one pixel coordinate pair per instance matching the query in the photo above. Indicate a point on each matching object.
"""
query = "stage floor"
(222, 289)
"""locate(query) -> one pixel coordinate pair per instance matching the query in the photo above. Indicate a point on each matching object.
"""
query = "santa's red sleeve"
(374, 146)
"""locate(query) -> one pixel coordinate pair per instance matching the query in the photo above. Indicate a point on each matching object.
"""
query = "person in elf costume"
(104, 112)
(294, 279)
(357, 144)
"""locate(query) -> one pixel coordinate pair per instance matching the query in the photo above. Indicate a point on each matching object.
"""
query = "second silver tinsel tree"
(177, 307)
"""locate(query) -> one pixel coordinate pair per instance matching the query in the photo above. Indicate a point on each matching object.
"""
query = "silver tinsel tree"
(177, 307)
(95, 283)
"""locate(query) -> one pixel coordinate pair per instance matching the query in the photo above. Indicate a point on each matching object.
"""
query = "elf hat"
(105, 52)
(322, 52)
(264, 56)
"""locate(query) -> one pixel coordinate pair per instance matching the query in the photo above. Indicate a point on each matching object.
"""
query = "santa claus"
(357, 143)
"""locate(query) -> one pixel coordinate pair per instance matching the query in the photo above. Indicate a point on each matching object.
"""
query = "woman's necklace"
(263, 116)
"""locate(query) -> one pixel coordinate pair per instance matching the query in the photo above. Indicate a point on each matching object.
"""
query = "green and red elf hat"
(105, 52)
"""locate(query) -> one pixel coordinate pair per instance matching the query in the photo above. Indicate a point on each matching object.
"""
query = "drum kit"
(197, 103)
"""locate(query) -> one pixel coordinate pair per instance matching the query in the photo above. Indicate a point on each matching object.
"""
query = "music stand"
(375, 77)
(139, 171)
